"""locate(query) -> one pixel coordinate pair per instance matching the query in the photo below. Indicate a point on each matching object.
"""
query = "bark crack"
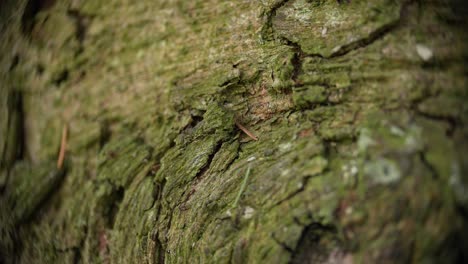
(451, 121)
(198, 177)
(282, 244)
(428, 165)
(267, 31)
(15, 147)
(268, 34)
(366, 41)
(81, 26)
(377, 34)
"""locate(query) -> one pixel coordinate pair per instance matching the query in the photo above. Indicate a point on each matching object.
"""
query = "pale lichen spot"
(424, 52)
(397, 131)
(365, 140)
(459, 187)
(248, 212)
(324, 31)
(382, 171)
(285, 147)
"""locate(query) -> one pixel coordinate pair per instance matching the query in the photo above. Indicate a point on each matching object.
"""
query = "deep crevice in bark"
(104, 133)
(14, 62)
(16, 105)
(450, 121)
(364, 42)
(282, 244)
(267, 32)
(32, 8)
(428, 165)
(61, 77)
(159, 253)
(309, 249)
(117, 198)
(81, 26)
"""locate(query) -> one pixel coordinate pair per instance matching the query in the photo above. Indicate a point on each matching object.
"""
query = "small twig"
(63, 145)
(250, 134)
(242, 188)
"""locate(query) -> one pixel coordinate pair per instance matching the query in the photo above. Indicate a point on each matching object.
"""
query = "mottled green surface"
(359, 106)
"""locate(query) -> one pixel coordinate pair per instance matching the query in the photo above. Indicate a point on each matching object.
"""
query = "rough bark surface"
(359, 108)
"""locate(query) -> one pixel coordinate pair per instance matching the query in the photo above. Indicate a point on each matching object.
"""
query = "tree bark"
(208, 131)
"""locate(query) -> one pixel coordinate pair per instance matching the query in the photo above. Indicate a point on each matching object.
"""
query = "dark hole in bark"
(118, 196)
(32, 8)
(80, 24)
(104, 134)
(311, 247)
(14, 62)
(15, 103)
(454, 248)
(61, 77)
(40, 69)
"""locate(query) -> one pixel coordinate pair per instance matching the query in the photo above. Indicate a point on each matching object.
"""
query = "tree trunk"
(208, 131)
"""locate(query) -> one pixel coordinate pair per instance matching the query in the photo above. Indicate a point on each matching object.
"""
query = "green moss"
(283, 71)
(360, 150)
(32, 185)
(119, 161)
(453, 107)
(327, 28)
(337, 133)
(308, 96)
